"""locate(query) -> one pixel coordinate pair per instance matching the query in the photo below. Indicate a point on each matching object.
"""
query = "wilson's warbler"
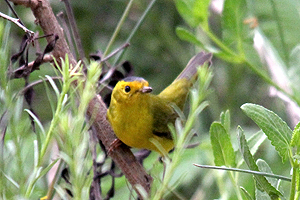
(140, 119)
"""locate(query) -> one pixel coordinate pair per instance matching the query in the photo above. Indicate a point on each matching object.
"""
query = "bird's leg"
(115, 144)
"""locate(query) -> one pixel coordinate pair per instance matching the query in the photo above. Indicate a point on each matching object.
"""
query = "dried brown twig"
(74, 29)
(17, 22)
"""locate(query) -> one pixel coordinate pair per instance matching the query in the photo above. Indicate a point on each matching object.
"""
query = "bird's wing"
(163, 114)
(175, 93)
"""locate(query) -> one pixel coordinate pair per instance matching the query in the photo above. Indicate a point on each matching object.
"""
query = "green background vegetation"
(172, 32)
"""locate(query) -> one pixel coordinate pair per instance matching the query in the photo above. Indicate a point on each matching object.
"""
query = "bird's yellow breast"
(132, 122)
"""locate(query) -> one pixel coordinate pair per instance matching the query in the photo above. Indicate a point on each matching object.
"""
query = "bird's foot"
(115, 144)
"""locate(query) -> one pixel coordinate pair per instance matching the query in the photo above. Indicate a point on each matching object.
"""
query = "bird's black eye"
(127, 89)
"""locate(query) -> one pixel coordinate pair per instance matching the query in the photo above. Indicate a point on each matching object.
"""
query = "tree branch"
(17, 22)
(122, 156)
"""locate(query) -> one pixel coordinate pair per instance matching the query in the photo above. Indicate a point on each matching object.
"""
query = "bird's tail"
(179, 89)
(191, 68)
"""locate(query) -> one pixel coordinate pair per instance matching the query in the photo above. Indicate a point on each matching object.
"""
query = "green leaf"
(46, 170)
(261, 181)
(295, 142)
(264, 167)
(228, 57)
(188, 36)
(185, 9)
(222, 148)
(225, 120)
(194, 12)
(11, 180)
(233, 16)
(254, 143)
(277, 131)
(246, 193)
(201, 12)
(261, 195)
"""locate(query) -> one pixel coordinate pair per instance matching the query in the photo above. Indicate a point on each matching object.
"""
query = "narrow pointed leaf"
(233, 16)
(256, 140)
(254, 143)
(264, 167)
(188, 36)
(246, 193)
(261, 195)
(277, 131)
(194, 12)
(295, 142)
(222, 148)
(261, 181)
(185, 9)
(225, 120)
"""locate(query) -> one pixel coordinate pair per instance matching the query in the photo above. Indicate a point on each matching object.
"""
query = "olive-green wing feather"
(175, 93)
(163, 114)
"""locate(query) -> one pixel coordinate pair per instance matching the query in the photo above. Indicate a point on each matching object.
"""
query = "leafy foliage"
(250, 31)
(261, 182)
(222, 147)
(250, 34)
(273, 126)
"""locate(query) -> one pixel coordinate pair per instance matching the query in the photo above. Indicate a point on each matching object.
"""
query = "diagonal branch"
(133, 170)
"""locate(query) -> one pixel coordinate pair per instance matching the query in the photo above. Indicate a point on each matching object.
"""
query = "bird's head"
(130, 88)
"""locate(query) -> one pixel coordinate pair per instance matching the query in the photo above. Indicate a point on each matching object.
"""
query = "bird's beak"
(146, 89)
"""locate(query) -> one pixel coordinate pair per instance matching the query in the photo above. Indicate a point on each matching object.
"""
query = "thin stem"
(138, 24)
(245, 171)
(13, 11)
(297, 195)
(61, 17)
(36, 83)
(53, 124)
(48, 138)
(236, 187)
(74, 29)
(124, 46)
(17, 22)
(66, 85)
(185, 136)
(168, 175)
(171, 166)
(96, 183)
(280, 32)
(293, 185)
(216, 40)
(118, 28)
(51, 189)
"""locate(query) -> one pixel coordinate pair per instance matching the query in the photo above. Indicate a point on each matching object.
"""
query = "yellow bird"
(140, 119)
